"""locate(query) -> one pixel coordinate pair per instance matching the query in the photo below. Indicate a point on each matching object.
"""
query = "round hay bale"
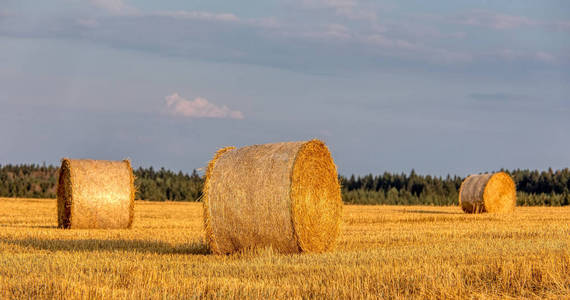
(95, 194)
(284, 195)
(495, 193)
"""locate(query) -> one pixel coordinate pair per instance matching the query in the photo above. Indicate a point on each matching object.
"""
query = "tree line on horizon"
(551, 188)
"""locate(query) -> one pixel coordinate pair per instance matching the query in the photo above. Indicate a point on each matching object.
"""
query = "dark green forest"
(551, 188)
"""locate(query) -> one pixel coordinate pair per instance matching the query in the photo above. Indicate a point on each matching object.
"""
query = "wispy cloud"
(493, 20)
(544, 56)
(315, 38)
(176, 105)
(118, 7)
(562, 25)
(88, 22)
(199, 15)
(514, 55)
(498, 97)
(500, 21)
(6, 13)
(337, 31)
(350, 9)
(414, 50)
(327, 32)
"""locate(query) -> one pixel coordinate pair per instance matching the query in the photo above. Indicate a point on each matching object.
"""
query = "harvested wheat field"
(396, 252)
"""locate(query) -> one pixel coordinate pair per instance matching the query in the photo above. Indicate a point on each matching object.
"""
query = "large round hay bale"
(495, 193)
(95, 194)
(284, 195)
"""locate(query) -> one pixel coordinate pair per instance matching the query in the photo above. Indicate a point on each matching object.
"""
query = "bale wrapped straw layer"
(495, 193)
(95, 194)
(284, 195)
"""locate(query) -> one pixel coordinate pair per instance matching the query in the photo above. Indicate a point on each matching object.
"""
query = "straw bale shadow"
(420, 211)
(27, 226)
(93, 245)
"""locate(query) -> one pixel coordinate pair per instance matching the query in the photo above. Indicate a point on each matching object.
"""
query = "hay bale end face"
(284, 195)
(494, 193)
(95, 194)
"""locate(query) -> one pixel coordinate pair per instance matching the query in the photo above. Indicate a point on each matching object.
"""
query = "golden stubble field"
(384, 252)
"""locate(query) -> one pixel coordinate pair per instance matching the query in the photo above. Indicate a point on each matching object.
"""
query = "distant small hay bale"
(95, 194)
(284, 195)
(494, 193)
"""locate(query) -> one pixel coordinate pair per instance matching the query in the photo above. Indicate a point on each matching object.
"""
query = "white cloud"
(176, 105)
(114, 6)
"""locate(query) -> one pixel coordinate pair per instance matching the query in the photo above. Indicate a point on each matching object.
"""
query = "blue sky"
(442, 87)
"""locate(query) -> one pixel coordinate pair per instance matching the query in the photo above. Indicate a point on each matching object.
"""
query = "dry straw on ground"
(95, 194)
(494, 193)
(283, 195)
